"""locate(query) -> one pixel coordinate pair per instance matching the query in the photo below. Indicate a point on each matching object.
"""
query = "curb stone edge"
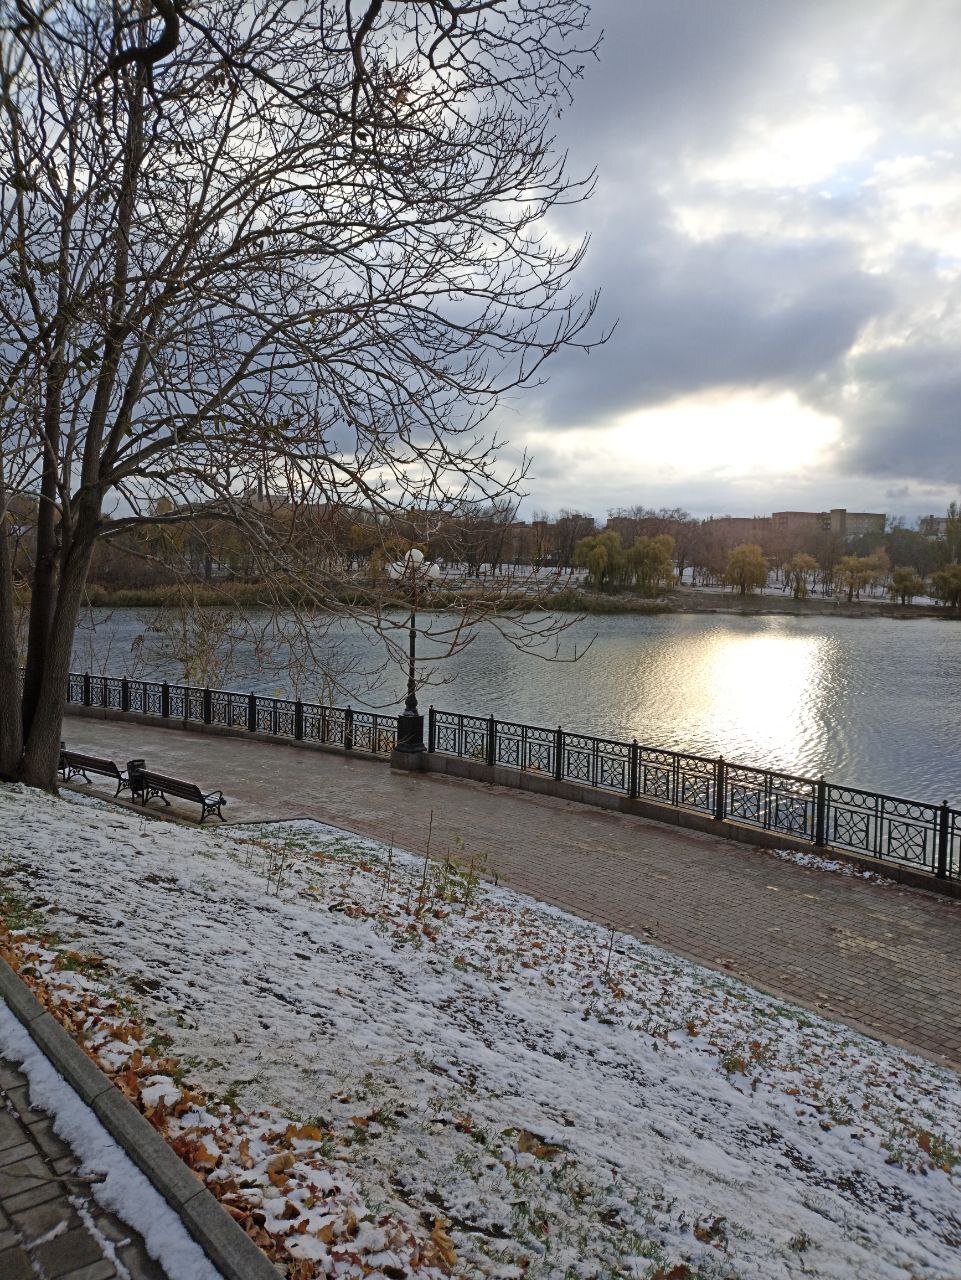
(225, 1243)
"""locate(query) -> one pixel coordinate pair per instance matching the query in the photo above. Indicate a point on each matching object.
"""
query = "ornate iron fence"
(887, 828)
(253, 712)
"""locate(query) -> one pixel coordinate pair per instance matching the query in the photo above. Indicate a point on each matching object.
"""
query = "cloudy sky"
(777, 230)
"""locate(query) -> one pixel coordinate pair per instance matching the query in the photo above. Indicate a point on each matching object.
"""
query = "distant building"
(798, 523)
(624, 526)
(839, 521)
(934, 526)
(852, 524)
(741, 528)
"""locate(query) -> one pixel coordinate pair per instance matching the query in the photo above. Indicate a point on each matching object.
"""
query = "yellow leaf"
(443, 1243)
(532, 1145)
(303, 1133)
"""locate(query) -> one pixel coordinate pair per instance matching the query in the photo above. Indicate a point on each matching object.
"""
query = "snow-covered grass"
(400, 1070)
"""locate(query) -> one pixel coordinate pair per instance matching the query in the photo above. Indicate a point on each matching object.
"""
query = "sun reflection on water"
(746, 696)
(759, 690)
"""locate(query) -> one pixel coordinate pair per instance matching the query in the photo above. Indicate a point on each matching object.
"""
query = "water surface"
(873, 702)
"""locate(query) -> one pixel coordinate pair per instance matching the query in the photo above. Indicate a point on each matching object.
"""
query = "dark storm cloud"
(677, 74)
(694, 316)
(910, 424)
(721, 278)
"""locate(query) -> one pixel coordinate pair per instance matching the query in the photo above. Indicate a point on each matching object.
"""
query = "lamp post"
(409, 752)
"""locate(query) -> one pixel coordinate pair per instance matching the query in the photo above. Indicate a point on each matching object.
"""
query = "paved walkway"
(51, 1227)
(882, 958)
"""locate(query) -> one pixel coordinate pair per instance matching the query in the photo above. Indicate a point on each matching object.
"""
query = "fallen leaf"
(443, 1244)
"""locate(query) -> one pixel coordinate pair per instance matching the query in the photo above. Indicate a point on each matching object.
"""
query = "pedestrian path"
(51, 1226)
(879, 957)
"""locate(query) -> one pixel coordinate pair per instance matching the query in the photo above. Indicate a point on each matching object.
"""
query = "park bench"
(77, 764)
(148, 785)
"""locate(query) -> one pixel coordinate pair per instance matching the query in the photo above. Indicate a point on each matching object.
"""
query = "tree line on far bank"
(648, 553)
(649, 567)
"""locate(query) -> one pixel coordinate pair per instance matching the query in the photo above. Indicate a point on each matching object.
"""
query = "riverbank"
(763, 604)
(695, 600)
(571, 600)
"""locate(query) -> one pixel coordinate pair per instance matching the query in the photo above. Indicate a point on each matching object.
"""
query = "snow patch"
(816, 862)
(124, 1190)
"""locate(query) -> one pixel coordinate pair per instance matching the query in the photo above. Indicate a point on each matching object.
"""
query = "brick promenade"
(51, 1227)
(879, 957)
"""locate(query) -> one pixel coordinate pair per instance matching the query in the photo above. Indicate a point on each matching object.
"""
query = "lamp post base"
(410, 750)
(410, 761)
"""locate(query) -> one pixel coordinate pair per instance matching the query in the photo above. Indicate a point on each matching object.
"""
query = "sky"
(777, 232)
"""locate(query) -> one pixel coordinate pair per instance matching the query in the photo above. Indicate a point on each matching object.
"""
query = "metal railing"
(828, 816)
(254, 712)
(889, 829)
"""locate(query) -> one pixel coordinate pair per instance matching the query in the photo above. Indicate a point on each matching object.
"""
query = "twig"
(423, 879)
(610, 949)
(390, 859)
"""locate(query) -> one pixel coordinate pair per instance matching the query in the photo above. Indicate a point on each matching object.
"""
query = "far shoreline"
(773, 604)
(685, 600)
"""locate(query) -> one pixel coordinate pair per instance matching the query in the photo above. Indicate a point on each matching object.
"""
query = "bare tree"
(476, 536)
(569, 529)
(263, 260)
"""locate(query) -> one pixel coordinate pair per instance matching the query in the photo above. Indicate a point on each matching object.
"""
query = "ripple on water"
(872, 702)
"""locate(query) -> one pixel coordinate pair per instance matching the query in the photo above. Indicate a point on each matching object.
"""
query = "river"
(871, 702)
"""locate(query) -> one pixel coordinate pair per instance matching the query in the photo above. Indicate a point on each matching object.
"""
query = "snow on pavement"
(562, 1101)
(119, 1185)
(837, 866)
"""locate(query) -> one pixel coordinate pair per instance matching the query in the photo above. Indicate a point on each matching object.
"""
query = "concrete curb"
(227, 1246)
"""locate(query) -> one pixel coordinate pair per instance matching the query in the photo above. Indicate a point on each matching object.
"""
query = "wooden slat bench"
(148, 785)
(77, 764)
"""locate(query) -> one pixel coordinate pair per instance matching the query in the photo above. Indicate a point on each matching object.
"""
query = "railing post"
(165, 700)
(821, 814)
(431, 728)
(251, 713)
(299, 720)
(208, 706)
(559, 754)
(86, 688)
(348, 728)
(633, 771)
(720, 789)
(491, 740)
(124, 694)
(944, 822)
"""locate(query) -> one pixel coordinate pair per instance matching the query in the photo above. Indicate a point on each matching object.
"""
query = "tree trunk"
(44, 581)
(42, 743)
(42, 597)
(11, 725)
